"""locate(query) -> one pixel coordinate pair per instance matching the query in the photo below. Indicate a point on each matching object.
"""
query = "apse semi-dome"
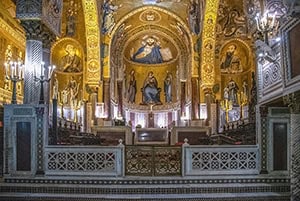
(150, 49)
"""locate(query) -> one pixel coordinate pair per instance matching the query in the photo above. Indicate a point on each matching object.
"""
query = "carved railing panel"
(85, 161)
(167, 161)
(153, 161)
(138, 160)
(204, 160)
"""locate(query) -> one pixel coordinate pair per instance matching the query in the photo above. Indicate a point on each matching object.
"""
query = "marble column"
(120, 97)
(208, 101)
(182, 98)
(293, 101)
(46, 60)
(263, 110)
(93, 101)
(53, 137)
(106, 98)
(38, 43)
(34, 56)
(195, 99)
(85, 117)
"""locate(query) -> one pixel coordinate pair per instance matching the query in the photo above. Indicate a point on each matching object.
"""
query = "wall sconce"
(43, 78)
(14, 71)
(266, 24)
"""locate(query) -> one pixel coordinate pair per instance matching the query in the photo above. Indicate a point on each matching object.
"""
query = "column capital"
(106, 80)
(36, 30)
(293, 102)
(90, 89)
(207, 90)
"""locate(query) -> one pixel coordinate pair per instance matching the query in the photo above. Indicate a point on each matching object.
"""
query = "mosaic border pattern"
(148, 182)
(284, 198)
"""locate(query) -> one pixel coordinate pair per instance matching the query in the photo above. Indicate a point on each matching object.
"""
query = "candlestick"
(265, 24)
(42, 68)
(41, 79)
(15, 75)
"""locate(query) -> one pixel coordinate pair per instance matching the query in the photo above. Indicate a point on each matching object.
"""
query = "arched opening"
(141, 46)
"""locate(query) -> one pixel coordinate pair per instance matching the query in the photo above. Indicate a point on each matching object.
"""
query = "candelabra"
(76, 107)
(226, 105)
(14, 71)
(42, 78)
(243, 101)
(265, 24)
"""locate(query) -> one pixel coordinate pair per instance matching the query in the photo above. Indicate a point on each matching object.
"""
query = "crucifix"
(151, 117)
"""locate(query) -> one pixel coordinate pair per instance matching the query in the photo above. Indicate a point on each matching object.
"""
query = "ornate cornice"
(12, 33)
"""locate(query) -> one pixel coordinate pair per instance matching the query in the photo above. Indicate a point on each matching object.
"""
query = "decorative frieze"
(154, 189)
(208, 47)
(9, 31)
(93, 42)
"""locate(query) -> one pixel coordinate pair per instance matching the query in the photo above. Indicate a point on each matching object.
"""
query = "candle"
(16, 69)
(6, 71)
(50, 70)
(34, 70)
(42, 68)
(18, 66)
(21, 71)
(257, 23)
(12, 70)
(273, 20)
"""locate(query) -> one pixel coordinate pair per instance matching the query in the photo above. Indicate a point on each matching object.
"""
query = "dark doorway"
(23, 130)
(279, 146)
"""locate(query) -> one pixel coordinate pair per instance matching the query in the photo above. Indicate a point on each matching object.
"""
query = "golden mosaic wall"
(12, 47)
(208, 47)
